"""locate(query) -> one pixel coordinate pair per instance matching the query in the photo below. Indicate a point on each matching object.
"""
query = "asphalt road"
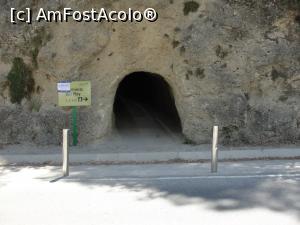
(141, 121)
(257, 192)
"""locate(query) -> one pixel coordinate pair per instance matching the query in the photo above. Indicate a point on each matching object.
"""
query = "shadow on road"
(58, 179)
(223, 193)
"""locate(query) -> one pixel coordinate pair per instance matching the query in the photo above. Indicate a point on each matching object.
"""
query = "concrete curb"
(148, 157)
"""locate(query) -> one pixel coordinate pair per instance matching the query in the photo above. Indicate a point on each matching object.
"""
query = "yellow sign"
(76, 93)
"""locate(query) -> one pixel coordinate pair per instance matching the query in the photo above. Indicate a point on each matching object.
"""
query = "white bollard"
(214, 150)
(65, 153)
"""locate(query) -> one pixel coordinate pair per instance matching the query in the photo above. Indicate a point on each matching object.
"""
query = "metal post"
(65, 153)
(214, 150)
(74, 122)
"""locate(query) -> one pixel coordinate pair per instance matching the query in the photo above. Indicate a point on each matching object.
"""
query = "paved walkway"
(102, 153)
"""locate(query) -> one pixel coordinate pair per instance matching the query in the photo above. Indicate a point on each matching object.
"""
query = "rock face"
(231, 63)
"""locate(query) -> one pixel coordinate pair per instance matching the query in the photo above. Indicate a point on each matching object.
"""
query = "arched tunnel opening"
(144, 105)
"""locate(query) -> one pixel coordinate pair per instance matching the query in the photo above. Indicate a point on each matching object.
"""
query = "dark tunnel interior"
(145, 100)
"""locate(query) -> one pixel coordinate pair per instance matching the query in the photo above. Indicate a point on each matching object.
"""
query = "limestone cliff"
(235, 63)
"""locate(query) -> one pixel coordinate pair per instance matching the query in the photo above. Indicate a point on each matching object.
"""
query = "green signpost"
(74, 122)
(74, 94)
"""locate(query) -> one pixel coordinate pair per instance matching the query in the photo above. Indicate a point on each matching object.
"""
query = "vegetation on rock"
(40, 39)
(190, 6)
(21, 83)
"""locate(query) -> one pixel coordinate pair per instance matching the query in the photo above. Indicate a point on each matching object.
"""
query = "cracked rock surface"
(231, 63)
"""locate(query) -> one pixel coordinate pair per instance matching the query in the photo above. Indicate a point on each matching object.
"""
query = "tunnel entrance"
(144, 105)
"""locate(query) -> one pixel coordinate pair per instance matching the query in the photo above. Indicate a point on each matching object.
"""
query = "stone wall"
(228, 62)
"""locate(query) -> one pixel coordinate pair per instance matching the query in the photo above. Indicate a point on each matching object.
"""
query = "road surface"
(256, 192)
(142, 122)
